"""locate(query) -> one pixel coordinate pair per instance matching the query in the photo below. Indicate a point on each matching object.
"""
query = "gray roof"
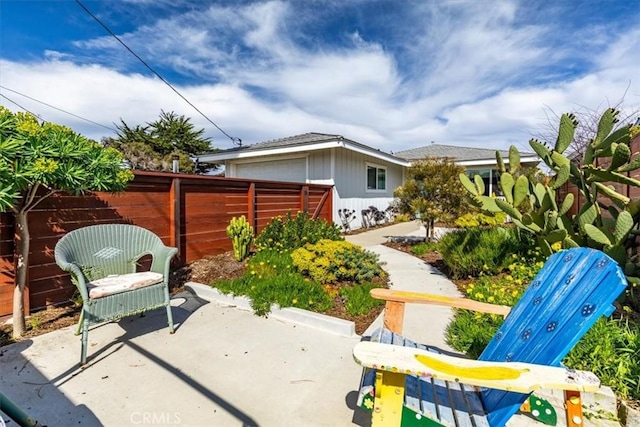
(303, 139)
(453, 152)
(309, 138)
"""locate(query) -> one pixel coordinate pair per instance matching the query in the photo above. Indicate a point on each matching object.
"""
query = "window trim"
(377, 167)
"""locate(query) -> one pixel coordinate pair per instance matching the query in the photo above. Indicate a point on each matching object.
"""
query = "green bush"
(290, 233)
(472, 251)
(272, 278)
(357, 299)
(611, 350)
(480, 219)
(330, 261)
(422, 248)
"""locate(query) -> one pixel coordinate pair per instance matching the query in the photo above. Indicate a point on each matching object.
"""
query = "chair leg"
(80, 322)
(170, 318)
(389, 399)
(573, 403)
(85, 339)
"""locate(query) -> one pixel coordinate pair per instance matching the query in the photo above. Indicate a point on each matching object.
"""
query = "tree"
(37, 161)
(433, 191)
(589, 120)
(153, 146)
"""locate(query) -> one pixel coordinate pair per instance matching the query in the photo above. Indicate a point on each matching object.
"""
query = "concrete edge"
(294, 315)
(628, 415)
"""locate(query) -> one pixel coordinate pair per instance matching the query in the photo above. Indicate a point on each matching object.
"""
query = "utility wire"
(54, 107)
(20, 106)
(233, 139)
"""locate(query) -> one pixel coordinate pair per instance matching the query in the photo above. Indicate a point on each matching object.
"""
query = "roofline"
(336, 142)
(527, 159)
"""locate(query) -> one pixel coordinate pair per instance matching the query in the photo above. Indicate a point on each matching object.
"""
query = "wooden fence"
(186, 211)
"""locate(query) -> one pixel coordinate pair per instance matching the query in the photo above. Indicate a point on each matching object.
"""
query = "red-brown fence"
(186, 211)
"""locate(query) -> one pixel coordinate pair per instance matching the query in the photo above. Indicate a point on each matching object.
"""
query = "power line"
(54, 107)
(19, 106)
(232, 138)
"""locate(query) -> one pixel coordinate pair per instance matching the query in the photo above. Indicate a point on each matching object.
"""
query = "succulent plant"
(241, 234)
(607, 219)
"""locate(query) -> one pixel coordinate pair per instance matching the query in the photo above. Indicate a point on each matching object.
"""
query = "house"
(361, 175)
(476, 161)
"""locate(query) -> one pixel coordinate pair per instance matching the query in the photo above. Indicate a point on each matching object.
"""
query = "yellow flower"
(294, 301)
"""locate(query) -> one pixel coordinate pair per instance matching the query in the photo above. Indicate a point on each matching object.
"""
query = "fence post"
(251, 207)
(175, 203)
(304, 198)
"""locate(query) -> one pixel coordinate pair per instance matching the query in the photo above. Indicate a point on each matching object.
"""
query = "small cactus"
(241, 234)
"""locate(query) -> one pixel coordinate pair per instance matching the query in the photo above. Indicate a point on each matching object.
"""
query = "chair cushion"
(115, 283)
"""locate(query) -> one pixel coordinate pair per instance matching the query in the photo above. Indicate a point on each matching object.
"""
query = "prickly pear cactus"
(241, 234)
(607, 219)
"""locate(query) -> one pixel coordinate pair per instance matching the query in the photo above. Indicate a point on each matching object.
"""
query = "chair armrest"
(511, 376)
(162, 256)
(419, 298)
(75, 271)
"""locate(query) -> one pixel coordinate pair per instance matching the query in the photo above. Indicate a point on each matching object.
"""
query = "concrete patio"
(224, 366)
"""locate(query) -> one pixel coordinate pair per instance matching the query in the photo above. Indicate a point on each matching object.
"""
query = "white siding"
(357, 205)
(351, 176)
(320, 165)
(292, 170)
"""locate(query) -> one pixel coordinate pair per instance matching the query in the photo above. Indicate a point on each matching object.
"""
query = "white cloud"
(468, 73)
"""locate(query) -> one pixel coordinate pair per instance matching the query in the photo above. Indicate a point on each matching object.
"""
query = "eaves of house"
(464, 156)
(299, 143)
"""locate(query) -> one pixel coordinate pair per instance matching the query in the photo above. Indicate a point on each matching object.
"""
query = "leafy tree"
(37, 161)
(153, 146)
(433, 191)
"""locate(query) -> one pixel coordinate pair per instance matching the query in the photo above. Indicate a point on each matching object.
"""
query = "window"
(376, 178)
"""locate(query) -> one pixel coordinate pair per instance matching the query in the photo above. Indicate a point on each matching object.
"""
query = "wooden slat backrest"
(571, 291)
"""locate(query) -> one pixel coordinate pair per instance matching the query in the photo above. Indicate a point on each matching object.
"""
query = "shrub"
(290, 233)
(480, 219)
(330, 261)
(271, 278)
(422, 248)
(357, 300)
(401, 218)
(611, 350)
(472, 251)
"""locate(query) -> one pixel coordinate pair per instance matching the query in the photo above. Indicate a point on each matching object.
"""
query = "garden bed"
(206, 271)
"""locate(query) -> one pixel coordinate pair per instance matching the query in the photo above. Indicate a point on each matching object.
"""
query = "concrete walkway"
(408, 273)
(224, 366)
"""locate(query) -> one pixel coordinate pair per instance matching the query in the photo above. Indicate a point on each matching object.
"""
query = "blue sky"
(390, 74)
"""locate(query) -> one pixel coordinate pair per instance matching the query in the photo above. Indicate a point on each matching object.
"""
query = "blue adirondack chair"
(408, 384)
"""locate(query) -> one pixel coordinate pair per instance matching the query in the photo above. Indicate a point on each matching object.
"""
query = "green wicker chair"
(102, 260)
